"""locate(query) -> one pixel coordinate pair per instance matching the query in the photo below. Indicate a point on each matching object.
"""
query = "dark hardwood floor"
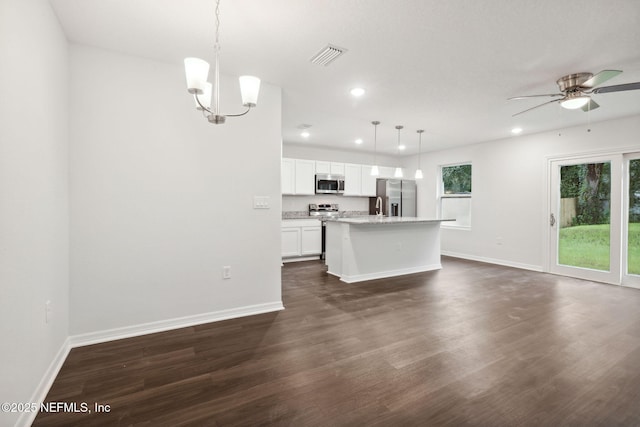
(470, 345)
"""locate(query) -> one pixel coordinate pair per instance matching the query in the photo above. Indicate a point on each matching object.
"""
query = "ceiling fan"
(576, 90)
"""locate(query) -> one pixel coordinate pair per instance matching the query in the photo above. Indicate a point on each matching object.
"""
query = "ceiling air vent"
(327, 55)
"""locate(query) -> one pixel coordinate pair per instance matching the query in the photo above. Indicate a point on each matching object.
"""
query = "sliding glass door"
(585, 218)
(631, 224)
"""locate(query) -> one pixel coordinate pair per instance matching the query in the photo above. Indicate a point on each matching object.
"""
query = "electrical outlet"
(226, 272)
(47, 311)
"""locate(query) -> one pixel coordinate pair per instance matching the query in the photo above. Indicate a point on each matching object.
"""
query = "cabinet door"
(352, 180)
(368, 182)
(305, 177)
(323, 167)
(287, 176)
(311, 241)
(337, 168)
(290, 242)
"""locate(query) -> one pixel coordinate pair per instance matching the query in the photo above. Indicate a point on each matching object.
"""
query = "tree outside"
(585, 243)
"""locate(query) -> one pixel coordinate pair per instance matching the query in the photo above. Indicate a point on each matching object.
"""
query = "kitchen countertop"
(377, 220)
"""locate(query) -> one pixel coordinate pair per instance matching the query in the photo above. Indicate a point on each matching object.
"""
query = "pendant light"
(398, 172)
(197, 71)
(419, 171)
(374, 168)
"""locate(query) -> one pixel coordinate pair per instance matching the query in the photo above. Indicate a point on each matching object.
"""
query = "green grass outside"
(587, 246)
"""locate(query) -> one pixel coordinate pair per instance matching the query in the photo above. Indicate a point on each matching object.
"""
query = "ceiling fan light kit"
(197, 71)
(576, 90)
(574, 100)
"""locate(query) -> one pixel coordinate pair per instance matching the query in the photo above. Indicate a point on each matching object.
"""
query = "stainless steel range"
(323, 211)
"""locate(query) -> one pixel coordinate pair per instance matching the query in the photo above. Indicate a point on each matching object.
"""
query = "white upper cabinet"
(288, 176)
(329, 168)
(298, 176)
(337, 168)
(352, 180)
(305, 177)
(323, 167)
(367, 182)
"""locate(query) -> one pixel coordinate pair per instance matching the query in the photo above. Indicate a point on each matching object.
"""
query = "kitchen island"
(373, 247)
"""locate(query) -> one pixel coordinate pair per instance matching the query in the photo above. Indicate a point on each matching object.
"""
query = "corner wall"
(34, 220)
(161, 199)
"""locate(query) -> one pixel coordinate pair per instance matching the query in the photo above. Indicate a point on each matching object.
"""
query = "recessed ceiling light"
(358, 141)
(305, 134)
(357, 91)
(401, 147)
(516, 131)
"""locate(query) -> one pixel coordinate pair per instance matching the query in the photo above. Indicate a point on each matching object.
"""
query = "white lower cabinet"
(290, 241)
(311, 240)
(301, 238)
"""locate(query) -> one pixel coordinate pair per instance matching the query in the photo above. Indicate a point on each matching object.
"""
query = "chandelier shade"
(197, 72)
(249, 89)
(205, 98)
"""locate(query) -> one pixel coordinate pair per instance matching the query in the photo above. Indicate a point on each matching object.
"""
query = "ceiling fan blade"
(617, 88)
(535, 96)
(591, 105)
(600, 78)
(537, 106)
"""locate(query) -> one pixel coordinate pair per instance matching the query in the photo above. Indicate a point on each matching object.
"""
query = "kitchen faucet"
(379, 206)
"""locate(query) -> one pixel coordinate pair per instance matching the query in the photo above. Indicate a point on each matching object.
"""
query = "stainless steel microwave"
(329, 184)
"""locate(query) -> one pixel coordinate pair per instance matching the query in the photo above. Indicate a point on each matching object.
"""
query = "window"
(455, 195)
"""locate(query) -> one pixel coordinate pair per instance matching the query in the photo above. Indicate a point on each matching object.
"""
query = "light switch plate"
(261, 202)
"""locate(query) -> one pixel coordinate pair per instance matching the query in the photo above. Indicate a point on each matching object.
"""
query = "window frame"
(444, 196)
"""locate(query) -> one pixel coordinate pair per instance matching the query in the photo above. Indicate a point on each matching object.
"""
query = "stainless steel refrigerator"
(398, 197)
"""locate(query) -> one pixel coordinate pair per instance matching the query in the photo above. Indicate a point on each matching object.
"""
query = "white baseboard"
(301, 258)
(176, 323)
(390, 273)
(520, 265)
(40, 393)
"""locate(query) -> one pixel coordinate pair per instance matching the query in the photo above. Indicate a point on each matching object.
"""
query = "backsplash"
(298, 206)
(305, 214)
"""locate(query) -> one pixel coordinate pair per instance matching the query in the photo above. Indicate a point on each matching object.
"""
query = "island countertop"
(367, 248)
(382, 220)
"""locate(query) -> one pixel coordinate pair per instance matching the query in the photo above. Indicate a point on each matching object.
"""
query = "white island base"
(359, 249)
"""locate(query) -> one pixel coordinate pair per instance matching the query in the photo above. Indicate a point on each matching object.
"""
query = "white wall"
(33, 198)
(161, 200)
(510, 188)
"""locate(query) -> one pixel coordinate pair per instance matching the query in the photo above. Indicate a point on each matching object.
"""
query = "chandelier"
(197, 71)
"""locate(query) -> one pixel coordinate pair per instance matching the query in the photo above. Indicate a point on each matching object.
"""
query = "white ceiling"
(446, 66)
